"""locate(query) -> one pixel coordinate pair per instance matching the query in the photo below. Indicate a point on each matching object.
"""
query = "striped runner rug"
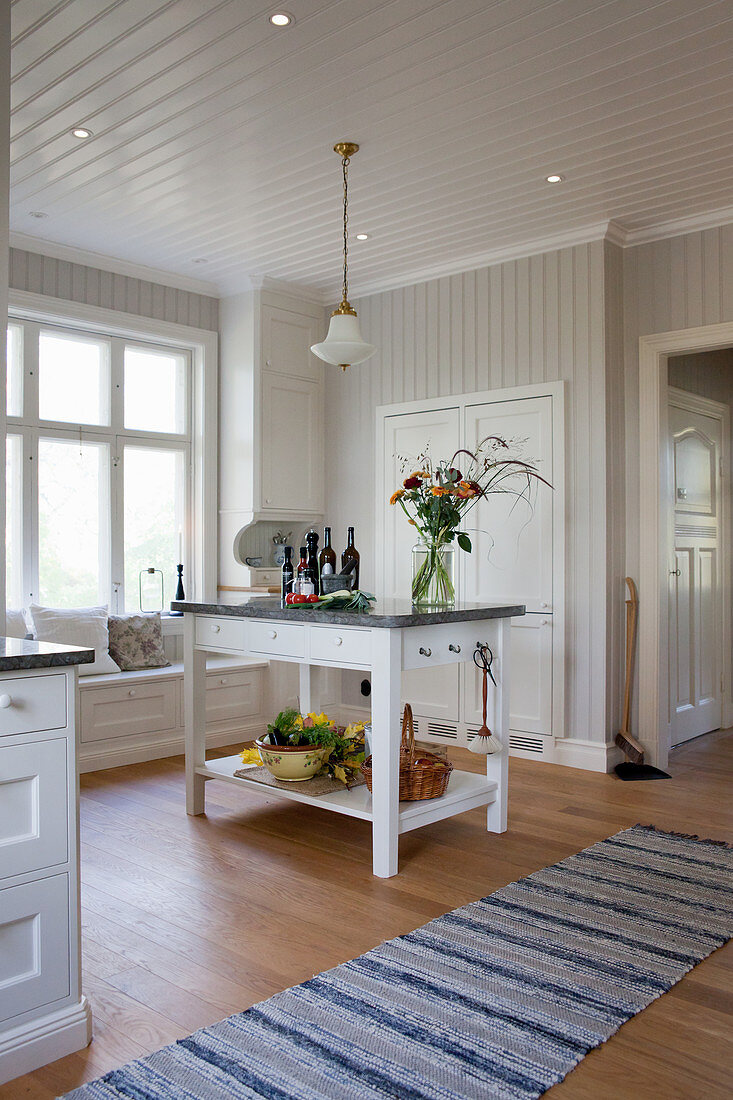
(498, 999)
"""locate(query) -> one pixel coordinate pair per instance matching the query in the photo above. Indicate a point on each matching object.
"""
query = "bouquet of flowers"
(436, 495)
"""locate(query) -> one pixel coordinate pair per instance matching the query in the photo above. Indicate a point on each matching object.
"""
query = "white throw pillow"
(15, 624)
(83, 626)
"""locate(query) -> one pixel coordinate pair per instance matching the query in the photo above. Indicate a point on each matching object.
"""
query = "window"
(99, 465)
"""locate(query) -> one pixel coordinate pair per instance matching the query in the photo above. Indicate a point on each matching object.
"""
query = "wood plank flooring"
(186, 920)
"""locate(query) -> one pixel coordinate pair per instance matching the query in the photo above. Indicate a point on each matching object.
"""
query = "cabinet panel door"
(530, 695)
(512, 553)
(408, 434)
(33, 806)
(292, 444)
(34, 945)
(286, 342)
(121, 711)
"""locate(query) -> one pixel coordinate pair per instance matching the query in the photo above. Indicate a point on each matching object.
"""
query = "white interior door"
(512, 561)
(434, 692)
(695, 650)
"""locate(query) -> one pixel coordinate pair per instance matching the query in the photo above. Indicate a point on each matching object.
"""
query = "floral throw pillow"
(136, 641)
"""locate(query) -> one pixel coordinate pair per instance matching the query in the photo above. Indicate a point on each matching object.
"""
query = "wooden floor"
(186, 920)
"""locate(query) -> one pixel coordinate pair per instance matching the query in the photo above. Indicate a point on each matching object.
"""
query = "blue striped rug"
(498, 999)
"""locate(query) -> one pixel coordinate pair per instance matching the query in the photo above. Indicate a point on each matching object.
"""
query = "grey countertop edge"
(257, 610)
(31, 654)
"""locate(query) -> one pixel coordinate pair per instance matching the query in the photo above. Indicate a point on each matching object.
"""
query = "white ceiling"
(213, 130)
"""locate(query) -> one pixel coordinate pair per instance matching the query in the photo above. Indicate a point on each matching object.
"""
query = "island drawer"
(275, 638)
(346, 646)
(29, 704)
(218, 632)
(443, 644)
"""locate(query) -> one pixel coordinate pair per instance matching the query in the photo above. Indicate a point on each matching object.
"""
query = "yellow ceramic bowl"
(292, 763)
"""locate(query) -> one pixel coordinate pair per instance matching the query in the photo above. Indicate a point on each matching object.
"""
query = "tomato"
(290, 598)
(313, 598)
(300, 598)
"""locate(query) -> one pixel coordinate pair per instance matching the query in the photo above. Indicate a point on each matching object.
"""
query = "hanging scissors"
(483, 659)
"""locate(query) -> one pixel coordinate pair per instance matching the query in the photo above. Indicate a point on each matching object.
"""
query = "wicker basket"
(418, 779)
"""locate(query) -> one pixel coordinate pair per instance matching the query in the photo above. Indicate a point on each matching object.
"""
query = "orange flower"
(411, 522)
(437, 491)
(396, 496)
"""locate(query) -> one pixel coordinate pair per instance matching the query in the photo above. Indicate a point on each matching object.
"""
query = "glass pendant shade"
(343, 345)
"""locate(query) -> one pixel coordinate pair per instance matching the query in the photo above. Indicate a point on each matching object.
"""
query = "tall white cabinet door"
(512, 539)
(512, 561)
(292, 444)
(433, 692)
(286, 342)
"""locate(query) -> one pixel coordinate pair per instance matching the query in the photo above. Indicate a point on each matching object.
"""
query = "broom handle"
(632, 605)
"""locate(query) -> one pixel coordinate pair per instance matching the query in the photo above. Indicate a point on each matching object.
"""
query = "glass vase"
(433, 574)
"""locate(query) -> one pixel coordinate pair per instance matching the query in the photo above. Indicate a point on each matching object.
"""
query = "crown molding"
(295, 290)
(695, 223)
(110, 263)
(569, 239)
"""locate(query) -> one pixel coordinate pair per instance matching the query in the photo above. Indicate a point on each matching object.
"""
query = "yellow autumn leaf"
(250, 756)
(340, 773)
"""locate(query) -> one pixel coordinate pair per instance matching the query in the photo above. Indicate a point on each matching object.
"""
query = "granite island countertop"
(21, 654)
(384, 613)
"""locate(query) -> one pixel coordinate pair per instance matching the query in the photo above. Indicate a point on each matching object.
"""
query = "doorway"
(656, 526)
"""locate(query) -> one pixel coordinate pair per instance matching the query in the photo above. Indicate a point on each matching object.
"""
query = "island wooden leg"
(305, 676)
(386, 683)
(194, 703)
(497, 764)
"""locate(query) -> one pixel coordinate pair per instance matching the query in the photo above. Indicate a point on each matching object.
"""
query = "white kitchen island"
(393, 637)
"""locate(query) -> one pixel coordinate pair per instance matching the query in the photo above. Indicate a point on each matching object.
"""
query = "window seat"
(128, 717)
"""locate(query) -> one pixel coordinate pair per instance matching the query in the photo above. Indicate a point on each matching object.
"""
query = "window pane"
(14, 521)
(155, 391)
(73, 523)
(73, 379)
(15, 371)
(154, 518)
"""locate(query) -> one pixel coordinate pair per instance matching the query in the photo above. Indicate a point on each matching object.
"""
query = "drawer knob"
(215, 628)
(272, 634)
(223, 680)
(131, 691)
(5, 701)
(338, 640)
(454, 648)
(426, 652)
(544, 622)
(545, 605)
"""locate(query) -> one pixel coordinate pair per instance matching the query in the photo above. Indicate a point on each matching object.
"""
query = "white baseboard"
(591, 756)
(93, 761)
(37, 1042)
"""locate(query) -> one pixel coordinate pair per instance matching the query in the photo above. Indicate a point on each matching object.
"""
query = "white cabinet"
(43, 1015)
(287, 337)
(517, 554)
(292, 445)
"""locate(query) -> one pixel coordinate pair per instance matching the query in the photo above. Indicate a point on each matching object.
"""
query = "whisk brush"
(485, 743)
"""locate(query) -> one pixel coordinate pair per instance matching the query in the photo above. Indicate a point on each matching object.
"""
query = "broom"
(634, 766)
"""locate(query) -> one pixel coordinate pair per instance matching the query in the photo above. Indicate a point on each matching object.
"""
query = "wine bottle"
(327, 557)
(304, 584)
(312, 539)
(288, 573)
(351, 554)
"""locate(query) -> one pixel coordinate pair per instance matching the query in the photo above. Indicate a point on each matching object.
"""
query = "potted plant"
(297, 747)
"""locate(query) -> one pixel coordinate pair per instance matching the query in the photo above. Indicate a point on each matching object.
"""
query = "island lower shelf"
(466, 791)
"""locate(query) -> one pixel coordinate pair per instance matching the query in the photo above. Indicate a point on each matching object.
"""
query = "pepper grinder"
(180, 594)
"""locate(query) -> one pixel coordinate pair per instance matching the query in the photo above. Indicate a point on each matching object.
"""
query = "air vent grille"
(526, 743)
(443, 729)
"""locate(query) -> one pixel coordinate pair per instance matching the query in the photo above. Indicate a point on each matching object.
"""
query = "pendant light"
(343, 345)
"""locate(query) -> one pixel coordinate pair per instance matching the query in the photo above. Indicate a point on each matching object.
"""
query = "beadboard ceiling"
(213, 130)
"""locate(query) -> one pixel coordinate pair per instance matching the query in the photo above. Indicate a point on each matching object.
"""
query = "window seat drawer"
(120, 711)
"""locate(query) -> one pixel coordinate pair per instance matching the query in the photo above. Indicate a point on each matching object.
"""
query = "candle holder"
(180, 594)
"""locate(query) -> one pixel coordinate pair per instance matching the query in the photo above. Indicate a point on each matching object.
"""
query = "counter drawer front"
(347, 646)
(443, 644)
(276, 639)
(33, 806)
(218, 632)
(232, 695)
(34, 945)
(30, 704)
(121, 711)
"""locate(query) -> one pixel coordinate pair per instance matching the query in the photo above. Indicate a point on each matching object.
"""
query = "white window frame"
(200, 579)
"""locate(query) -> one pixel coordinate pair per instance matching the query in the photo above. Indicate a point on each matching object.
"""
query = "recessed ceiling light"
(281, 19)
(81, 132)
(554, 178)
(37, 214)
(362, 236)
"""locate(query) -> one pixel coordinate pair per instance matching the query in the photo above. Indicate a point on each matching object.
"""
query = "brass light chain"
(345, 161)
